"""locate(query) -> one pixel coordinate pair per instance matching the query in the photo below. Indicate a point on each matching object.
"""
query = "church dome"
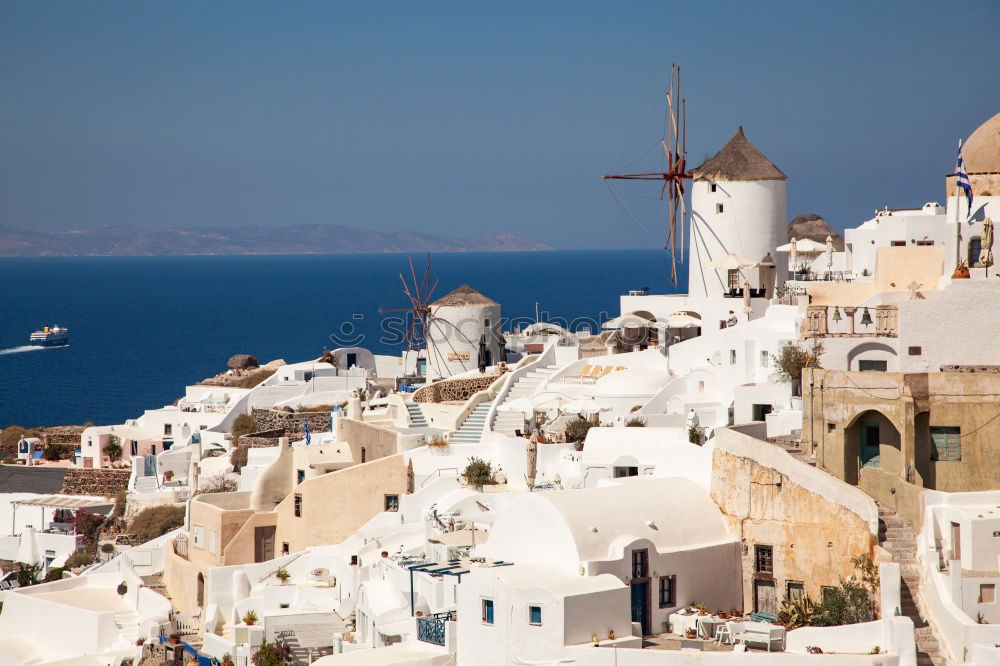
(981, 151)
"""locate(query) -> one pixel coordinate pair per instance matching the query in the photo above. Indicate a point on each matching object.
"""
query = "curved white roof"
(631, 382)
(568, 527)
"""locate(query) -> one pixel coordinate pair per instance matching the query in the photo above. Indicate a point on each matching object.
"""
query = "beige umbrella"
(829, 253)
(746, 297)
(986, 253)
(793, 256)
(731, 262)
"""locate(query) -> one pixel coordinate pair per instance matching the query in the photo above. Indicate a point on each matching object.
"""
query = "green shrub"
(250, 617)
(27, 574)
(853, 601)
(156, 521)
(478, 473)
(252, 380)
(791, 359)
(80, 558)
(113, 448)
(244, 424)
(57, 451)
(636, 422)
(239, 457)
(107, 547)
(55, 573)
(577, 429)
(271, 654)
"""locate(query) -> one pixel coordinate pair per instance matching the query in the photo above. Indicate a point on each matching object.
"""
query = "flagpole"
(958, 205)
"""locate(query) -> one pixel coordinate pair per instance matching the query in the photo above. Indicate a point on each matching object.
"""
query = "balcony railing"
(430, 630)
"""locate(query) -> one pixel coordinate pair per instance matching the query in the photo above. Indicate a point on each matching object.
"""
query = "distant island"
(131, 241)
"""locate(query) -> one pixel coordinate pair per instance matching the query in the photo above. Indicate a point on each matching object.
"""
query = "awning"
(66, 501)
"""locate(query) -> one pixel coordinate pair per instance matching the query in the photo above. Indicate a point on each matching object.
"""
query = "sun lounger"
(585, 371)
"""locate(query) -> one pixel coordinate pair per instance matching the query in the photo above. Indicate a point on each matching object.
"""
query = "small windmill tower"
(460, 322)
(739, 204)
(418, 315)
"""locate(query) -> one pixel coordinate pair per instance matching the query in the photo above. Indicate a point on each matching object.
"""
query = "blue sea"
(141, 328)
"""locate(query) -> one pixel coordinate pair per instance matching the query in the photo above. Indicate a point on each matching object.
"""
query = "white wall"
(753, 222)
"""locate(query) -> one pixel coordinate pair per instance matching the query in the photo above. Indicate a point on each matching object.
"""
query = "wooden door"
(765, 599)
(263, 546)
(640, 606)
(956, 541)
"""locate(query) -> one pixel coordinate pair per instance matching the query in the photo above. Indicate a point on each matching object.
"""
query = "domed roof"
(631, 382)
(981, 151)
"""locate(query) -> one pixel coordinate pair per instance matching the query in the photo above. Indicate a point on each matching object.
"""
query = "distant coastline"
(131, 241)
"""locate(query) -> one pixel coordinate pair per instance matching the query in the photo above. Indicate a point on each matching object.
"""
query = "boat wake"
(22, 348)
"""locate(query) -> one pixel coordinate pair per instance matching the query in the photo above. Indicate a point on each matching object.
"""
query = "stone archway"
(872, 440)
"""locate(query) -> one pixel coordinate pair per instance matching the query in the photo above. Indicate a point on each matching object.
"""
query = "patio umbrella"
(805, 246)
(532, 462)
(682, 320)
(636, 319)
(746, 298)
(793, 256)
(986, 253)
(731, 262)
(482, 353)
(829, 253)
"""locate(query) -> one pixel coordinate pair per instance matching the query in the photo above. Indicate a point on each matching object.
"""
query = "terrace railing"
(430, 630)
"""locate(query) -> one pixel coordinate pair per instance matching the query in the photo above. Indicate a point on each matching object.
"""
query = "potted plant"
(227, 660)
(690, 633)
(175, 638)
(282, 575)
(961, 271)
(250, 618)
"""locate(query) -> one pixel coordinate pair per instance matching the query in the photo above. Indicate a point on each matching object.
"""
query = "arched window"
(975, 247)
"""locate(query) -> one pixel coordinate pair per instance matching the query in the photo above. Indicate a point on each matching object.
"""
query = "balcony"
(432, 629)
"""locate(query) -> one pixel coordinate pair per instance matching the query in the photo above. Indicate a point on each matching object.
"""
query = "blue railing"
(430, 630)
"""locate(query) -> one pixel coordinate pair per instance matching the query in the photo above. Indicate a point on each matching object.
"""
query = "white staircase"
(471, 430)
(146, 484)
(417, 418)
(507, 422)
(127, 623)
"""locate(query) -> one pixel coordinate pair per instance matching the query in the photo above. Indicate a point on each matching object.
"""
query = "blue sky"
(470, 118)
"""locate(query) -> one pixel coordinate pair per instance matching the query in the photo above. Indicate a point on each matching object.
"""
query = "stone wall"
(291, 422)
(98, 482)
(813, 523)
(262, 438)
(457, 390)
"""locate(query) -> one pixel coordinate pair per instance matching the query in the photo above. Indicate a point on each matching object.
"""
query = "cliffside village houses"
(712, 493)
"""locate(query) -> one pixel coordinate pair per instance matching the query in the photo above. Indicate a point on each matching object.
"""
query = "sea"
(142, 328)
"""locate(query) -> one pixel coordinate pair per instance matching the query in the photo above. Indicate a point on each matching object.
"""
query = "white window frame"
(198, 533)
(541, 617)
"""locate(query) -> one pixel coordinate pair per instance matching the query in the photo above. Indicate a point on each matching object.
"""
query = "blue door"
(640, 606)
(869, 445)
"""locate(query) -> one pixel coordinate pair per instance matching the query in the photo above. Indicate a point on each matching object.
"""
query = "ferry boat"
(51, 337)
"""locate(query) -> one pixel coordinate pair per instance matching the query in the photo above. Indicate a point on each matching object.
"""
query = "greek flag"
(308, 436)
(962, 178)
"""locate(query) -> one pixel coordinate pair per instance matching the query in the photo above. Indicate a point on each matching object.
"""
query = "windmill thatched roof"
(464, 296)
(814, 228)
(738, 160)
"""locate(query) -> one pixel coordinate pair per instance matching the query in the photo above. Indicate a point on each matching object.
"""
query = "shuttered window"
(946, 443)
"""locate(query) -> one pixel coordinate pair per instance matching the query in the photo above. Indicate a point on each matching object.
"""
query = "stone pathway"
(898, 537)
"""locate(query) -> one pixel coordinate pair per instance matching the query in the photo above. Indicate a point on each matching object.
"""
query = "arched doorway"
(200, 598)
(871, 440)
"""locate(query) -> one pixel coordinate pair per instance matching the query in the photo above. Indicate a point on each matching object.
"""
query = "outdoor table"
(707, 625)
(680, 622)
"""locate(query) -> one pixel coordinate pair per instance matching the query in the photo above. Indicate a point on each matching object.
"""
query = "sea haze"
(141, 328)
(132, 241)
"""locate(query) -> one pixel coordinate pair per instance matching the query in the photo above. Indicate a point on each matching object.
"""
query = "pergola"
(56, 502)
